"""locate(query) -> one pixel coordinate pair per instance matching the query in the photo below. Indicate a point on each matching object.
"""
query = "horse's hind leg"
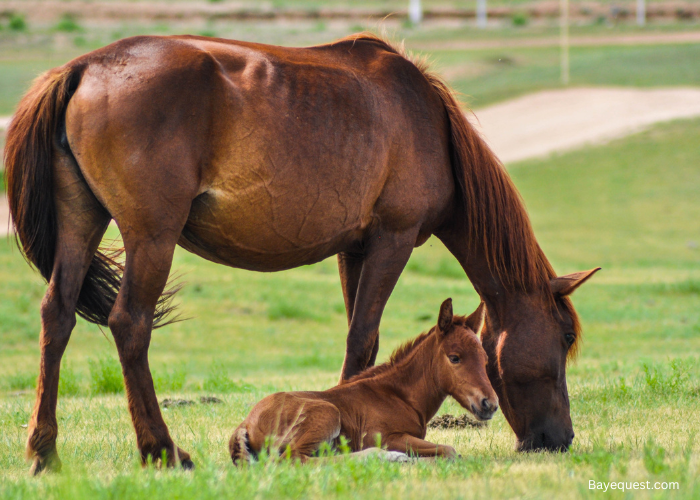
(81, 224)
(149, 242)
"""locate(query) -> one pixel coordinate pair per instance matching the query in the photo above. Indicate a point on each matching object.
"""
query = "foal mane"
(400, 353)
(495, 216)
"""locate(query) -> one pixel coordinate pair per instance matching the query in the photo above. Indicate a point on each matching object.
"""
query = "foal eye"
(453, 359)
(570, 338)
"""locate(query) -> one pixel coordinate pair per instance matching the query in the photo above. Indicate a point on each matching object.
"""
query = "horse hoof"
(187, 464)
(47, 464)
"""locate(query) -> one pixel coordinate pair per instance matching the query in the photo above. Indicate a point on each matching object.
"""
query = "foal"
(394, 401)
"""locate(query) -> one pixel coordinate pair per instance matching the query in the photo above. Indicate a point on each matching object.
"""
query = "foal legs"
(81, 224)
(405, 443)
(385, 257)
(284, 421)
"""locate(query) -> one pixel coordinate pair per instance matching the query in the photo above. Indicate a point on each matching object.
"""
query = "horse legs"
(81, 224)
(350, 269)
(385, 257)
(148, 261)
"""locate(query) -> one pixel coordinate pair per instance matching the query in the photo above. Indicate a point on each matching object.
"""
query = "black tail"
(29, 150)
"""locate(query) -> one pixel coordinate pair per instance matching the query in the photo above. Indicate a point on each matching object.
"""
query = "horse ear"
(565, 285)
(476, 319)
(445, 317)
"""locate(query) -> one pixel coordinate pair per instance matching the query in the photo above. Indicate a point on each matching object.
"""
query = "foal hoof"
(383, 455)
(395, 456)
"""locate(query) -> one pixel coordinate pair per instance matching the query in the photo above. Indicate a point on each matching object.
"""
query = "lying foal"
(395, 400)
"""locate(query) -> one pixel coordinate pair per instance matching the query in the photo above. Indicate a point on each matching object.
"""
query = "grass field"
(630, 207)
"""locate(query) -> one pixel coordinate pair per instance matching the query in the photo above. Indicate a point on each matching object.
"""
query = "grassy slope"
(630, 207)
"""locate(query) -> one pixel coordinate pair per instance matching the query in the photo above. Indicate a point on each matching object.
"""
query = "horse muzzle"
(546, 441)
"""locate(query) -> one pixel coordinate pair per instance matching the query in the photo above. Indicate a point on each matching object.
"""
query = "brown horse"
(267, 158)
(394, 401)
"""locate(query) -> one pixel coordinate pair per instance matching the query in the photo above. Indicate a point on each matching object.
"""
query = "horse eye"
(570, 338)
(453, 359)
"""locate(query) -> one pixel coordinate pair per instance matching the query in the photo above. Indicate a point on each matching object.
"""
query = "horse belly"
(264, 228)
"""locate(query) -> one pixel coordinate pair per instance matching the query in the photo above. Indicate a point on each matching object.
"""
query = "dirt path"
(558, 120)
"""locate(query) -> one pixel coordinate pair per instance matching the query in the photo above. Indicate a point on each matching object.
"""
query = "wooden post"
(481, 13)
(415, 11)
(641, 13)
(564, 31)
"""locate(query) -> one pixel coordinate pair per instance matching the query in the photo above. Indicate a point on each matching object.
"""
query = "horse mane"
(494, 210)
(495, 215)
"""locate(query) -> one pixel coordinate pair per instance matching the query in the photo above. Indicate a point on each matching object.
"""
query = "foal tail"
(239, 446)
(495, 215)
(35, 133)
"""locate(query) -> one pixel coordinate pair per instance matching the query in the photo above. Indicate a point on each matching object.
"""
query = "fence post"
(415, 11)
(564, 31)
(641, 12)
(481, 13)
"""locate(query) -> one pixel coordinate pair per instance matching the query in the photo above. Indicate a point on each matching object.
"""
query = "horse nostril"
(485, 404)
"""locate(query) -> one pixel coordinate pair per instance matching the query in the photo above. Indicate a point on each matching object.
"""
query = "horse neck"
(414, 380)
(503, 300)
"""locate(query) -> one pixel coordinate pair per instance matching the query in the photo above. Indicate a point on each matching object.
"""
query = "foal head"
(461, 362)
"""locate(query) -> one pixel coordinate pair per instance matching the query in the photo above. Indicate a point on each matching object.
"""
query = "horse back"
(292, 152)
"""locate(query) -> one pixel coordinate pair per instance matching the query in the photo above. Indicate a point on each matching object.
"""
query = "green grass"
(630, 207)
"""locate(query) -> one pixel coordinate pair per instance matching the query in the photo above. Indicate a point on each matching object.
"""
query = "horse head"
(528, 350)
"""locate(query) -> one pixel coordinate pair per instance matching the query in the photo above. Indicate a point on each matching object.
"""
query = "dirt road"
(558, 120)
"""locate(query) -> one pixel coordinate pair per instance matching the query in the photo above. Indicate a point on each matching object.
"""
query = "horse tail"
(494, 212)
(239, 446)
(32, 138)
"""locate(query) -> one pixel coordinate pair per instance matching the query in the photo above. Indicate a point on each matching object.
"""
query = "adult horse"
(268, 158)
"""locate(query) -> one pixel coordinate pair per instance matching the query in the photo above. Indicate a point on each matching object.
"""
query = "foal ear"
(476, 319)
(445, 317)
(565, 285)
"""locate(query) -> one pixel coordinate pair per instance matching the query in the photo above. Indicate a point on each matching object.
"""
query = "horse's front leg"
(385, 257)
